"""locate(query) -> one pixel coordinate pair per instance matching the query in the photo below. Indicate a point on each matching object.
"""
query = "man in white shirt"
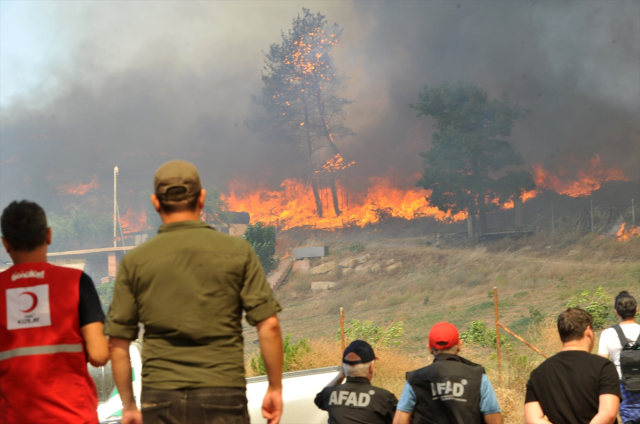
(610, 347)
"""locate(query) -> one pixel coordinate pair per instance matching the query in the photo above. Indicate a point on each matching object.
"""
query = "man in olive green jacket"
(189, 286)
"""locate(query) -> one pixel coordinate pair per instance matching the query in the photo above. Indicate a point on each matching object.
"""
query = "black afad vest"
(447, 391)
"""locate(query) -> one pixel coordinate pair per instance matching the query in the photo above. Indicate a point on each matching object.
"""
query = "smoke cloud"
(141, 83)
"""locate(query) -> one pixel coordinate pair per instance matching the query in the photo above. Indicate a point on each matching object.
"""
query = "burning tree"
(301, 98)
(465, 168)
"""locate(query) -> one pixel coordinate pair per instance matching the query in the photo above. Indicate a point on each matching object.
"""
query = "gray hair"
(357, 370)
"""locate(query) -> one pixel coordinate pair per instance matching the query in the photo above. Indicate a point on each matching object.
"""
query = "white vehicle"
(299, 389)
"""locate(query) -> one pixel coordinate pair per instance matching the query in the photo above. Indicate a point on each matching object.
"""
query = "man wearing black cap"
(189, 286)
(452, 390)
(357, 401)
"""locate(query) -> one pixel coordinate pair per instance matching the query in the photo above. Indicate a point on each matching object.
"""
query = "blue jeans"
(214, 405)
(630, 406)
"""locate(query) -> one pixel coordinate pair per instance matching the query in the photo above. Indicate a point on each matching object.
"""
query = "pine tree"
(301, 97)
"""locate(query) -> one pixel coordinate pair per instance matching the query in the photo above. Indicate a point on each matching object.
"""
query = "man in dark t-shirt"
(573, 386)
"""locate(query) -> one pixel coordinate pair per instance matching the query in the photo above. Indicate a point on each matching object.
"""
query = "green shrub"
(598, 305)
(356, 248)
(535, 316)
(263, 241)
(105, 292)
(479, 334)
(373, 334)
(292, 351)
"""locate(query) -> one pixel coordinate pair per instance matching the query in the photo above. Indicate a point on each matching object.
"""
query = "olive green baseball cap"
(176, 180)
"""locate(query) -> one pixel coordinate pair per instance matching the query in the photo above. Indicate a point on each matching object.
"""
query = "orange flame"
(626, 234)
(334, 164)
(294, 205)
(78, 189)
(586, 182)
(133, 221)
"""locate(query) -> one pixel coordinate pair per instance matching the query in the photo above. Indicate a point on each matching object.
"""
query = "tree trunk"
(316, 194)
(334, 193)
(332, 144)
(471, 229)
(482, 214)
(314, 180)
(483, 221)
(518, 208)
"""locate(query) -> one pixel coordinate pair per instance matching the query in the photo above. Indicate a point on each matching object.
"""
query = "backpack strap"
(623, 339)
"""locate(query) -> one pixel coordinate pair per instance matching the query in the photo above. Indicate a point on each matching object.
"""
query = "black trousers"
(215, 405)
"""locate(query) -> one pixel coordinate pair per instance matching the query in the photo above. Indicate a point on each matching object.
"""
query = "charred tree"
(301, 97)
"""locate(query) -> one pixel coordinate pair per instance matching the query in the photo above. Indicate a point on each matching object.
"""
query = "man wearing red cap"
(452, 390)
(357, 401)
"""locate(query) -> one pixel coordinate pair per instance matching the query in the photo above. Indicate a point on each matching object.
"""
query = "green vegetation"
(263, 241)
(479, 334)
(79, 229)
(292, 352)
(373, 334)
(468, 152)
(356, 248)
(598, 305)
(105, 291)
(216, 209)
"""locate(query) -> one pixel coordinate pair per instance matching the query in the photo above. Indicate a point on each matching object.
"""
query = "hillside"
(452, 283)
(535, 277)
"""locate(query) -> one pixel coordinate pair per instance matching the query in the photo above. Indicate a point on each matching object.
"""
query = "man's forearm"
(495, 418)
(270, 339)
(607, 409)
(533, 414)
(338, 379)
(603, 419)
(402, 417)
(121, 368)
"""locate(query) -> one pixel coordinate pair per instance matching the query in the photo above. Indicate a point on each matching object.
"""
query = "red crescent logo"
(35, 301)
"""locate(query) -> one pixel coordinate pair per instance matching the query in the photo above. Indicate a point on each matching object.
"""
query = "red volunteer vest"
(43, 368)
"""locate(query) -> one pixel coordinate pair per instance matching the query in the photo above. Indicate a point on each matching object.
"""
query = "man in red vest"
(51, 324)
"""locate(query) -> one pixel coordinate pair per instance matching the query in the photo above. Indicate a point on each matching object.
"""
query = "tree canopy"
(263, 240)
(301, 97)
(470, 166)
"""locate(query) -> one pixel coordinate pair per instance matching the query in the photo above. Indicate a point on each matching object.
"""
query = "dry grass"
(394, 363)
(448, 284)
(453, 284)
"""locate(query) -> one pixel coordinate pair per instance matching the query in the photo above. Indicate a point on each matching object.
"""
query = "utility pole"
(115, 202)
(592, 216)
(633, 214)
(552, 222)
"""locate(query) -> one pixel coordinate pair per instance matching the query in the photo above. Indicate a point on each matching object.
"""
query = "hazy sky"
(85, 86)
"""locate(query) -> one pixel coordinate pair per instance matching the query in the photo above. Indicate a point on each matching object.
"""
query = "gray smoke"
(143, 83)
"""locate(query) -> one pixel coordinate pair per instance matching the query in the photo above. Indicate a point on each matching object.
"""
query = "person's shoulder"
(549, 362)
(597, 359)
(65, 270)
(326, 391)
(142, 249)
